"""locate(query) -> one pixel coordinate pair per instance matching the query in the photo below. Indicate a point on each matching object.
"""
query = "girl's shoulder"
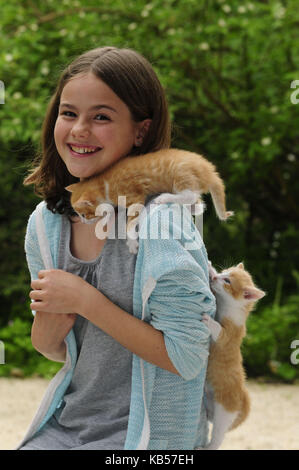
(43, 227)
(169, 240)
(169, 222)
(42, 215)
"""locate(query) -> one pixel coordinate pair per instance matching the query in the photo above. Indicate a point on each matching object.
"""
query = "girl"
(127, 327)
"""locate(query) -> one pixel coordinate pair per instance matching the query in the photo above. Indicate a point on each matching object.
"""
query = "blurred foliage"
(21, 359)
(227, 67)
(270, 332)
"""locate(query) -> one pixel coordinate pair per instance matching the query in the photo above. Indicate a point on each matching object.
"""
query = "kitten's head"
(83, 202)
(234, 286)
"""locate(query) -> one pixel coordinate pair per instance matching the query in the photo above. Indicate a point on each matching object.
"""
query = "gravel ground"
(273, 423)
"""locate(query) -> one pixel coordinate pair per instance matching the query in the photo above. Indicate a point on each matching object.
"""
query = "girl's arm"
(48, 330)
(59, 292)
(48, 334)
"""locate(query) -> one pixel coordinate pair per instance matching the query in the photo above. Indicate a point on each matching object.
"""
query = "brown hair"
(134, 81)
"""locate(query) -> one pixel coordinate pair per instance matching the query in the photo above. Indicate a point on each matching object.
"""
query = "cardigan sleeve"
(177, 312)
(33, 255)
(182, 293)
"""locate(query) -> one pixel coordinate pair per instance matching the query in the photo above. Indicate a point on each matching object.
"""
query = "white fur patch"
(233, 310)
(184, 197)
(132, 245)
(222, 421)
(132, 235)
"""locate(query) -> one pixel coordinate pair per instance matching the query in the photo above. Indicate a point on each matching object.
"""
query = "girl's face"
(94, 127)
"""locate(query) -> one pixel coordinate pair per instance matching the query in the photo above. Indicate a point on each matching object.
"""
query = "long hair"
(133, 80)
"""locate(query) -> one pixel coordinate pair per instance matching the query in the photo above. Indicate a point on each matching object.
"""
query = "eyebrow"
(93, 108)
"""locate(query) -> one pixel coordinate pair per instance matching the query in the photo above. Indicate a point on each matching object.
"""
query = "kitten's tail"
(245, 408)
(217, 191)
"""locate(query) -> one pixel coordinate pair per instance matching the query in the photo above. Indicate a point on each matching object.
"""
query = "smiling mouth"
(83, 151)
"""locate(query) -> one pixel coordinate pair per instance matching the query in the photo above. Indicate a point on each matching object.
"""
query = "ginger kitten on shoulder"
(180, 175)
(228, 401)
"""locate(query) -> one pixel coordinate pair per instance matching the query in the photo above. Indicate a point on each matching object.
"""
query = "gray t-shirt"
(95, 410)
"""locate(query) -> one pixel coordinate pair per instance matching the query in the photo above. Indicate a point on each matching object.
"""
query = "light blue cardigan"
(171, 292)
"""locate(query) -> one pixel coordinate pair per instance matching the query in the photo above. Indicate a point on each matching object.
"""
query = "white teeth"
(82, 149)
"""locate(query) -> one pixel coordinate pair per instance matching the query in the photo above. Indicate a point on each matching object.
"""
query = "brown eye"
(226, 280)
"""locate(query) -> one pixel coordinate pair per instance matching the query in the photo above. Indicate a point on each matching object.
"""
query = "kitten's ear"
(71, 187)
(253, 293)
(82, 204)
(240, 266)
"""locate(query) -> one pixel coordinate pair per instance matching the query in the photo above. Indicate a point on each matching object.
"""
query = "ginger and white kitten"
(228, 401)
(180, 175)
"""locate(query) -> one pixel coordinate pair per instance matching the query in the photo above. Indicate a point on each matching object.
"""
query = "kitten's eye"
(227, 280)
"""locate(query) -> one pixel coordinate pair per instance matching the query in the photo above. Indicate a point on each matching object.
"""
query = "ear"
(253, 293)
(240, 266)
(71, 187)
(142, 130)
(82, 204)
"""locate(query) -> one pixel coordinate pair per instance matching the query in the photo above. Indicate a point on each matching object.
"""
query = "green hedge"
(227, 69)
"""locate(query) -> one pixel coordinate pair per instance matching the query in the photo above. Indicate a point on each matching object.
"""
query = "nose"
(80, 129)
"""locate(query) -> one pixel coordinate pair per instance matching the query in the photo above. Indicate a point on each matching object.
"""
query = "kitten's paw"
(214, 327)
(207, 320)
(225, 215)
(228, 214)
(164, 198)
(198, 208)
(209, 447)
(132, 245)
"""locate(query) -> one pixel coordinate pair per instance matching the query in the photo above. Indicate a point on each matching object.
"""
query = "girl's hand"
(56, 291)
